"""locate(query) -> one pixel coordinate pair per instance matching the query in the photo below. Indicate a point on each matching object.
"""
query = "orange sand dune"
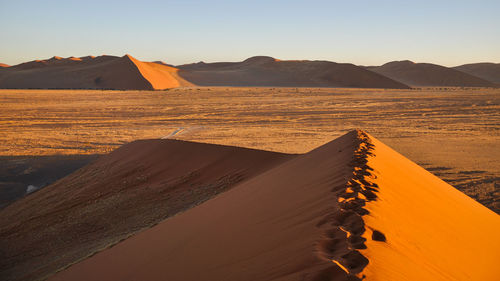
(486, 70)
(4, 65)
(132, 188)
(161, 76)
(351, 209)
(267, 71)
(104, 72)
(426, 74)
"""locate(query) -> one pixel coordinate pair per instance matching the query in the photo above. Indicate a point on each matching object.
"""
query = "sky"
(372, 32)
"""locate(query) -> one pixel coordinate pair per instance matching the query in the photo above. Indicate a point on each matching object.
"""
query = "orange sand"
(434, 232)
(160, 76)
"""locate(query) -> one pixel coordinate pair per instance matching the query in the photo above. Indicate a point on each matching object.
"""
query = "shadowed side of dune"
(352, 209)
(104, 72)
(121, 193)
(427, 74)
(486, 70)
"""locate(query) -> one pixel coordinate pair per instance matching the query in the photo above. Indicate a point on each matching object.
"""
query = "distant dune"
(4, 65)
(267, 71)
(426, 74)
(103, 72)
(128, 73)
(162, 62)
(352, 209)
(486, 71)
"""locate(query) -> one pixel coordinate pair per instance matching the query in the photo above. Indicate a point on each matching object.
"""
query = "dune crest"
(352, 209)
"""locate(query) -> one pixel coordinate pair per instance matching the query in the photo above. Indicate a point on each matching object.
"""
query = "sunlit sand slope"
(349, 210)
(432, 230)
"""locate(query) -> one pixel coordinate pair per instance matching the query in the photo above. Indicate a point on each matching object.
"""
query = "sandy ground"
(452, 132)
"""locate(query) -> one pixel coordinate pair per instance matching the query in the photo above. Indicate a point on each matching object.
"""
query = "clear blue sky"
(361, 32)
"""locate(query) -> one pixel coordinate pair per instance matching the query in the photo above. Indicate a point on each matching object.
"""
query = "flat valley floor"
(454, 133)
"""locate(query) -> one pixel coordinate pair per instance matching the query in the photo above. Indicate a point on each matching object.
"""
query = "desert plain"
(452, 132)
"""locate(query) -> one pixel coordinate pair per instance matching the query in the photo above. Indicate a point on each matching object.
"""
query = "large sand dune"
(426, 74)
(267, 71)
(104, 72)
(351, 209)
(130, 189)
(486, 70)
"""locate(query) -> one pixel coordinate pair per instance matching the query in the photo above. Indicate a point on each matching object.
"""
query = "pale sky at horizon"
(444, 32)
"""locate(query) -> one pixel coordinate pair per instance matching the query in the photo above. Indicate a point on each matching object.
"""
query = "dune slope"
(267, 71)
(428, 75)
(349, 210)
(432, 230)
(104, 72)
(132, 188)
(487, 71)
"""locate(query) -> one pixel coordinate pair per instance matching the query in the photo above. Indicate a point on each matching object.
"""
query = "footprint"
(378, 236)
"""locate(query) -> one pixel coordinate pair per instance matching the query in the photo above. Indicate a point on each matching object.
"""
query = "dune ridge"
(348, 221)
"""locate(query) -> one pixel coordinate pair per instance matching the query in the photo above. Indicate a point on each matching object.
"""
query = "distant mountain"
(268, 71)
(426, 74)
(4, 65)
(486, 70)
(103, 72)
